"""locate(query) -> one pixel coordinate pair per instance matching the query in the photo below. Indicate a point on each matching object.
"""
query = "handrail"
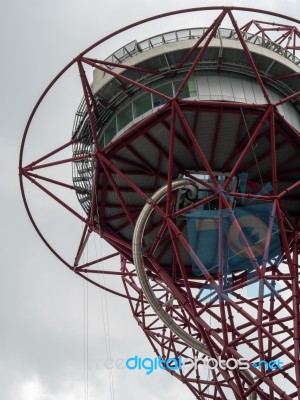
(134, 48)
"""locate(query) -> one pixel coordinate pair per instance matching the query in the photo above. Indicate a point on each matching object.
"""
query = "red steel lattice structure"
(181, 153)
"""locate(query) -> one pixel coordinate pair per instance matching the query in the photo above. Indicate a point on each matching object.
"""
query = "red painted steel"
(257, 327)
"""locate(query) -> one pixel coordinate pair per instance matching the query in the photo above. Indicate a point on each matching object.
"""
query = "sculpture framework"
(185, 157)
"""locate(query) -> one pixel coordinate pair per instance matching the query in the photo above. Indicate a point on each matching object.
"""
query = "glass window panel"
(197, 33)
(101, 140)
(124, 116)
(237, 88)
(190, 89)
(157, 40)
(248, 90)
(226, 87)
(130, 47)
(142, 104)
(170, 37)
(110, 130)
(214, 85)
(184, 34)
(165, 89)
(203, 87)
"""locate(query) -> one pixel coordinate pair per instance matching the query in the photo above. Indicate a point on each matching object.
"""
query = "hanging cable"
(106, 329)
(85, 302)
(85, 339)
(104, 311)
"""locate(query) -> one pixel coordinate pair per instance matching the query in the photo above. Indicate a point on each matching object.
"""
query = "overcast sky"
(43, 305)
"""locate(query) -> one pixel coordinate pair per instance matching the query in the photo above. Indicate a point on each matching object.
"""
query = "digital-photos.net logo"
(149, 365)
(256, 222)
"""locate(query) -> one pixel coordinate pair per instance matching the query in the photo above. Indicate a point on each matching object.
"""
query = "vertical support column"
(295, 294)
(273, 153)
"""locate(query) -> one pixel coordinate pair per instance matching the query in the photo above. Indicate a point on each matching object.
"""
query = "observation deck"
(164, 52)
(222, 103)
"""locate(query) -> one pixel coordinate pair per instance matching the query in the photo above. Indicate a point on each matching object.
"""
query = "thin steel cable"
(85, 340)
(87, 336)
(83, 292)
(84, 323)
(104, 308)
(85, 256)
(105, 321)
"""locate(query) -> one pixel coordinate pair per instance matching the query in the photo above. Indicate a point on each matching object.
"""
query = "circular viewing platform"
(226, 80)
(222, 77)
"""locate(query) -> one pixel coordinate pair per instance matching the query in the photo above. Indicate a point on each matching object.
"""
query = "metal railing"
(133, 48)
